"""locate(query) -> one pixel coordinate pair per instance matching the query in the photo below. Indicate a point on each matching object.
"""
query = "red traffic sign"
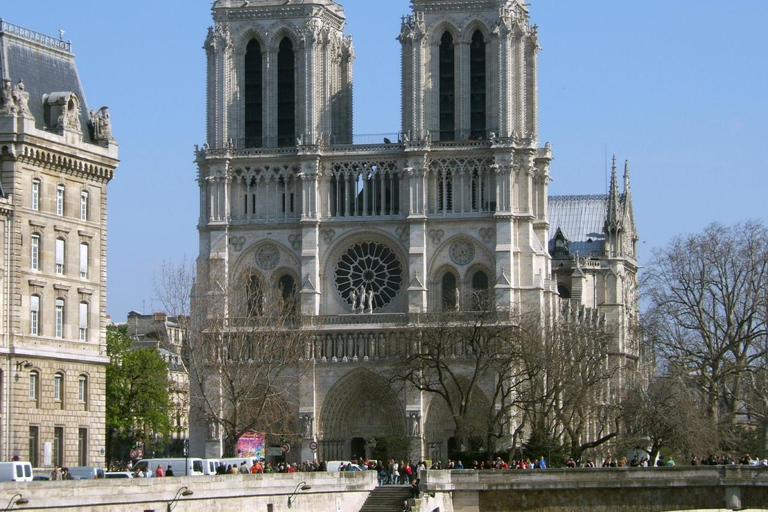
(313, 446)
(285, 447)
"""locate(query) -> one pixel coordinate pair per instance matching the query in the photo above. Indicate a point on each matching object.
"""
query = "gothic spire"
(614, 200)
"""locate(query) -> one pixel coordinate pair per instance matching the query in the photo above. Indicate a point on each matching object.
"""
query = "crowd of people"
(401, 472)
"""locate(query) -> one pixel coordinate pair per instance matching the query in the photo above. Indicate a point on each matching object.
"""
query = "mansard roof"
(581, 219)
(45, 64)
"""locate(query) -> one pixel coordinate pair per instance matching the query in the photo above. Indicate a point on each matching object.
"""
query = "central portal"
(359, 407)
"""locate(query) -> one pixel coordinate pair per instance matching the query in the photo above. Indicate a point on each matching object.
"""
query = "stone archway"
(361, 405)
(439, 427)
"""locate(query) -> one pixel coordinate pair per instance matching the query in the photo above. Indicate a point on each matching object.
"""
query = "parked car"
(118, 474)
(86, 472)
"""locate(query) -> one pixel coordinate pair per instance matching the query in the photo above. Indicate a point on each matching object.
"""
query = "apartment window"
(33, 385)
(34, 315)
(82, 389)
(58, 446)
(59, 320)
(83, 261)
(34, 256)
(83, 205)
(35, 194)
(58, 387)
(82, 447)
(60, 200)
(59, 256)
(83, 330)
(34, 442)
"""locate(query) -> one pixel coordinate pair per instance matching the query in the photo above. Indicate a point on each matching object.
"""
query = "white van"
(182, 466)
(210, 465)
(16, 471)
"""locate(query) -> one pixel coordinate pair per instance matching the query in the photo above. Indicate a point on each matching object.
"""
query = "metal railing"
(36, 37)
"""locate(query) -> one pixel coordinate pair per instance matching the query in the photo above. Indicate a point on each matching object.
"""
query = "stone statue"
(212, 429)
(306, 425)
(102, 126)
(22, 98)
(353, 299)
(415, 425)
(7, 103)
(369, 302)
(457, 305)
(361, 295)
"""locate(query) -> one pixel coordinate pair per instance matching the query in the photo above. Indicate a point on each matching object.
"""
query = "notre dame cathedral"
(365, 238)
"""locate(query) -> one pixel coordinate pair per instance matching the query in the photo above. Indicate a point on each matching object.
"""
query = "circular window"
(462, 252)
(268, 257)
(369, 268)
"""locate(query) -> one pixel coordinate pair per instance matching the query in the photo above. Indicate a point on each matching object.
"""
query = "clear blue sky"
(678, 87)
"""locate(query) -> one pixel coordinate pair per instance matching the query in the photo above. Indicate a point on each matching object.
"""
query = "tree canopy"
(137, 388)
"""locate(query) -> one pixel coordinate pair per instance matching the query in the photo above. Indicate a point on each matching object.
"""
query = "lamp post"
(301, 486)
(21, 501)
(183, 492)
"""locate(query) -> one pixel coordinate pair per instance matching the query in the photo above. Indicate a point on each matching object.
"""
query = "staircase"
(388, 498)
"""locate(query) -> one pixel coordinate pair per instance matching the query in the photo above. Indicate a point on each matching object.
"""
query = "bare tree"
(247, 353)
(455, 357)
(707, 310)
(666, 414)
(569, 367)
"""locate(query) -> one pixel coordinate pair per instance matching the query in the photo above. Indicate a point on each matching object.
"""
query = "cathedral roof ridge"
(579, 197)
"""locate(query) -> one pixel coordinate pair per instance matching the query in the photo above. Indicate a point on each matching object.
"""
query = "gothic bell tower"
(469, 70)
(279, 73)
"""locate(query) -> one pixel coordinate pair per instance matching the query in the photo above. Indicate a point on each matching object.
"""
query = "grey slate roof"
(45, 64)
(581, 219)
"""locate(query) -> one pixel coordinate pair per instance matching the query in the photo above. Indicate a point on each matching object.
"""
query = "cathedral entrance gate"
(359, 407)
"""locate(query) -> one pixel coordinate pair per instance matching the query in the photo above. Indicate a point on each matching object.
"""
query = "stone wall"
(340, 492)
(597, 490)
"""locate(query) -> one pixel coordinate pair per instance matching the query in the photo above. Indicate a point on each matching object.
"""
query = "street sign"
(313, 446)
(285, 447)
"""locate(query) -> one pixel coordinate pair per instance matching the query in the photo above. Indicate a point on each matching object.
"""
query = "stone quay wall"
(597, 490)
(576, 490)
(330, 492)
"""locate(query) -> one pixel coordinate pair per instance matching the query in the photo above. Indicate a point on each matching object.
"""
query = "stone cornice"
(63, 162)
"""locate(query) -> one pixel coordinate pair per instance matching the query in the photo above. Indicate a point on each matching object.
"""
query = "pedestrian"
(56, 473)
(159, 471)
(169, 471)
(65, 474)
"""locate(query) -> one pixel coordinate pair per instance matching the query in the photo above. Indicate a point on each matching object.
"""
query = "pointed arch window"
(480, 291)
(253, 95)
(448, 291)
(477, 85)
(286, 94)
(447, 91)
(287, 288)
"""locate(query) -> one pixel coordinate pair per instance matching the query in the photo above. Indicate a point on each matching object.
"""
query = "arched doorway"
(357, 409)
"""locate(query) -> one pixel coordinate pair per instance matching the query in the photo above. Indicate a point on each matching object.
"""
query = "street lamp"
(183, 492)
(22, 365)
(20, 501)
(301, 486)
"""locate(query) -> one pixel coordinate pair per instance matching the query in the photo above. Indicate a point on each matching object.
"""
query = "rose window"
(369, 267)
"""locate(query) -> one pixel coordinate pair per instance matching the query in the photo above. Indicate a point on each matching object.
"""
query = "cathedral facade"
(367, 238)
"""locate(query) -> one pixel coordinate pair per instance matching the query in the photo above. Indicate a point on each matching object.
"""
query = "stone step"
(387, 498)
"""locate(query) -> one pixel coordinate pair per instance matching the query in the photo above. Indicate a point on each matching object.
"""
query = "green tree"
(137, 390)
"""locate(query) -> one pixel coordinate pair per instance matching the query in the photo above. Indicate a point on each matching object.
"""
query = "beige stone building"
(373, 235)
(56, 158)
(167, 335)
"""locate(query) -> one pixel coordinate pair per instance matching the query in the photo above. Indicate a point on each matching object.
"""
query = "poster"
(251, 444)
